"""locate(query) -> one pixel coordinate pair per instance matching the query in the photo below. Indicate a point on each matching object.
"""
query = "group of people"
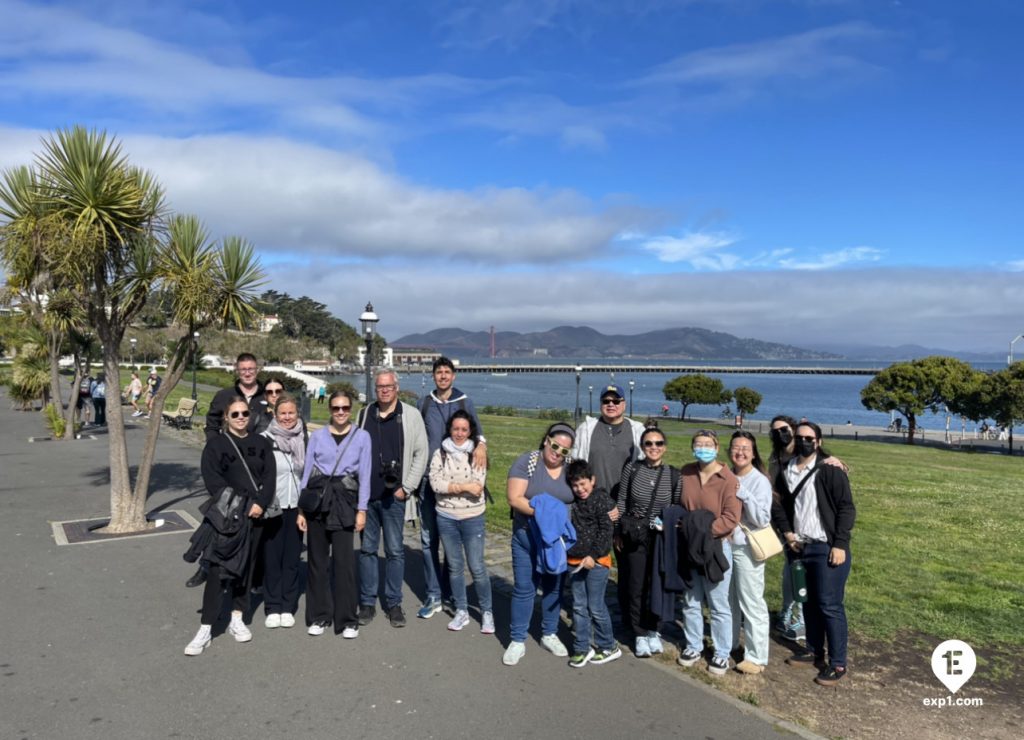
(584, 496)
(91, 406)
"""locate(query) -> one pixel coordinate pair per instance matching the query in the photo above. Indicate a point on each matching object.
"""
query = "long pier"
(502, 369)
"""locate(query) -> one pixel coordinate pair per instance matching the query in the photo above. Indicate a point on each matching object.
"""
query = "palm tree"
(205, 284)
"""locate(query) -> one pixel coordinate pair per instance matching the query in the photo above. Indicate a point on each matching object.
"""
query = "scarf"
(450, 447)
(290, 441)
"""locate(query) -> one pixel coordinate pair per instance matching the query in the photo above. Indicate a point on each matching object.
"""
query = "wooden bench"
(182, 416)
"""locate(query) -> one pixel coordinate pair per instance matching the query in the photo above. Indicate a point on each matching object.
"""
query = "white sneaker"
(316, 629)
(514, 653)
(460, 620)
(272, 622)
(554, 646)
(137, 413)
(287, 619)
(487, 624)
(350, 633)
(238, 630)
(200, 642)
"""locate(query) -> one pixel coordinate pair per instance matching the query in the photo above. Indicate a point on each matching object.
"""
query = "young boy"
(591, 559)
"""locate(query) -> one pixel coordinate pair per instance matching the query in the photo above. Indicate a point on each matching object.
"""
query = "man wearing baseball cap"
(609, 441)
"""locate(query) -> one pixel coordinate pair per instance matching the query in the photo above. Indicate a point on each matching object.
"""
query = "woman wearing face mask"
(541, 471)
(282, 540)
(790, 620)
(746, 592)
(709, 486)
(814, 510)
(645, 490)
(243, 463)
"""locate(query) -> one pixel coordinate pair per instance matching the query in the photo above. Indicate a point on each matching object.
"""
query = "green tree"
(999, 396)
(696, 388)
(930, 383)
(747, 400)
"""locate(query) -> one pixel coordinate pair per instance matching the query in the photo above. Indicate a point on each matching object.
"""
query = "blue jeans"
(389, 514)
(466, 536)
(824, 612)
(717, 595)
(588, 606)
(527, 581)
(435, 575)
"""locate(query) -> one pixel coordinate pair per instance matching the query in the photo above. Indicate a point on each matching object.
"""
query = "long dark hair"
(460, 414)
(758, 462)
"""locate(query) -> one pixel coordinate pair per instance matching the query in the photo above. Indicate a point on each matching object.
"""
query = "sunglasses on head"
(239, 414)
(340, 409)
(654, 443)
(563, 451)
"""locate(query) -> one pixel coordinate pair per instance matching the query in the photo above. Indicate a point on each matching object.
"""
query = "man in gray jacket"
(398, 454)
(610, 441)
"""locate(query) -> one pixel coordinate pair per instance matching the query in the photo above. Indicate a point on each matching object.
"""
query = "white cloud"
(831, 260)
(300, 198)
(969, 310)
(1015, 266)
(698, 248)
(819, 53)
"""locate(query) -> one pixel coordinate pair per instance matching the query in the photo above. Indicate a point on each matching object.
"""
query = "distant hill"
(685, 343)
(903, 352)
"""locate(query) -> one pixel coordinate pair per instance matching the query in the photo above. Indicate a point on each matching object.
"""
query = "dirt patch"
(883, 695)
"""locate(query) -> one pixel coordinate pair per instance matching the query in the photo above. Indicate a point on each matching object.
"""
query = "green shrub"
(54, 420)
(499, 411)
(555, 415)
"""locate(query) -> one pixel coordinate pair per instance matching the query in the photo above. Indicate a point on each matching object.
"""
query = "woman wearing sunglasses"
(281, 543)
(532, 474)
(814, 510)
(243, 463)
(337, 462)
(647, 487)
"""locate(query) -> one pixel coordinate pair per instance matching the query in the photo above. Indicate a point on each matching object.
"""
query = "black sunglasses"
(342, 409)
(611, 401)
(239, 414)
(654, 443)
(273, 391)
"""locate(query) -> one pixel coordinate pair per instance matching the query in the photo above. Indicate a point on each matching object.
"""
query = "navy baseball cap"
(612, 390)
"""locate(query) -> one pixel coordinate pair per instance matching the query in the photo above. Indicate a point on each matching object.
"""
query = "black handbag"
(314, 497)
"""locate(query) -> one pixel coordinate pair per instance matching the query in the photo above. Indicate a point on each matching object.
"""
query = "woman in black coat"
(239, 472)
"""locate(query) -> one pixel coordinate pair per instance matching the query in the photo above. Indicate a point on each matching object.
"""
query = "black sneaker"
(198, 578)
(807, 659)
(366, 613)
(397, 616)
(830, 676)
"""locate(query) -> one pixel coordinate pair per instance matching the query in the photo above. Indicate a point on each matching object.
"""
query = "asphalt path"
(92, 640)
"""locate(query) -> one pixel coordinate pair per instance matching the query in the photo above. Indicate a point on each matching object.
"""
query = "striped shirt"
(647, 495)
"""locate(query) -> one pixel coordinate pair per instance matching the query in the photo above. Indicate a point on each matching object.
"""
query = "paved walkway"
(93, 637)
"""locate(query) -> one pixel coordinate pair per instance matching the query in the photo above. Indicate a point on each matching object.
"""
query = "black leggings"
(213, 595)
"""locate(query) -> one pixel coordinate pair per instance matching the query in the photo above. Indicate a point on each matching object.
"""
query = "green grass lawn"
(936, 549)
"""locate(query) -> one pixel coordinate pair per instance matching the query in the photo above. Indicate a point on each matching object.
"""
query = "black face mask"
(804, 447)
(781, 437)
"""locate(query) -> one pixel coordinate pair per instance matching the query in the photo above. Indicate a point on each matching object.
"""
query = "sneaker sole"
(586, 659)
(427, 615)
(609, 659)
(191, 651)
(487, 630)
(715, 671)
(688, 663)
(350, 636)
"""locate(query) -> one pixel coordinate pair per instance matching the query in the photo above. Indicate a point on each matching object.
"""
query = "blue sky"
(808, 171)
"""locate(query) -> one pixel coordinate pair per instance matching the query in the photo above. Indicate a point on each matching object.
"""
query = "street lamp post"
(368, 319)
(632, 385)
(131, 353)
(578, 411)
(590, 388)
(195, 349)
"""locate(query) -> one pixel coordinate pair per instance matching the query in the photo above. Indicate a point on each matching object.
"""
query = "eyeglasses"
(563, 451)
(239, 414)
(247, 369)
(654, 443)
(340, 409)
(611, 401)
(273, 391)
(807, 439)
(386, 387)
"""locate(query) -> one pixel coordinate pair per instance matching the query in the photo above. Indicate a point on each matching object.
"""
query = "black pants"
(281, 552)
(213, 595)
(634, 588)
(100, 404)
(341, 544)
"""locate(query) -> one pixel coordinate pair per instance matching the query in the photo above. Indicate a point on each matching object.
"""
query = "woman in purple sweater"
(337, 451)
